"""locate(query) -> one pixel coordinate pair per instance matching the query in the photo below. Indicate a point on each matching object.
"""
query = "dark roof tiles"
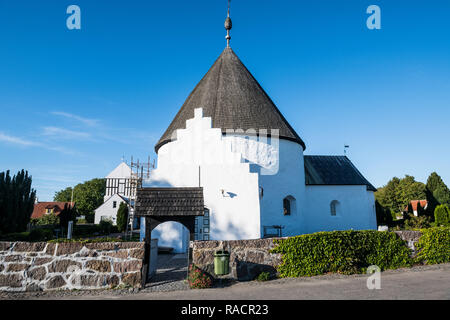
(333, 170)
(40, 208)
(169, 202)
(231, 96)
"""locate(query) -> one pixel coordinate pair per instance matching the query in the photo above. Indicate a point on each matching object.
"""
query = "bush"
(15, 236)
(105, 226)
(263, 276)
(442, 216)
(43, 234)
(198, 279)
(434, 246)
(86, 230)
(63, 240)
(343, 252)
(415, 223)
(45, 220)
(122, 217)
(36, 235)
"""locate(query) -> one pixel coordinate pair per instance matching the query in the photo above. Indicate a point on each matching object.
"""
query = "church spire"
(228, 25)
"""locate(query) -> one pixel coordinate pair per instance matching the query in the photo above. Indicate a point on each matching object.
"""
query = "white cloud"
(86, 121)
(27, 143)
(64, 133)
(15, 140)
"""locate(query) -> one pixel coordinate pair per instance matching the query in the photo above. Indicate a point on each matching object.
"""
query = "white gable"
(121, 171)
(108, 210)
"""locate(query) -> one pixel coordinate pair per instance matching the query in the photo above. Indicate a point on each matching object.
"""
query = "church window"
(286, 207)
(334, 207)
(289, 205)
(114, 204)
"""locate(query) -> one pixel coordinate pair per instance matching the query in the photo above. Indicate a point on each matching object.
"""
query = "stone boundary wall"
(411, 238)
(35, 266)
(248, 258)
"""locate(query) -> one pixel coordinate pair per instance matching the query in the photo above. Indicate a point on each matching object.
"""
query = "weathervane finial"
(228, 25)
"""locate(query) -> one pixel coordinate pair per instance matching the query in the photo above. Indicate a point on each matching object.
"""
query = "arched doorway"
(172, 254)
(161, 205)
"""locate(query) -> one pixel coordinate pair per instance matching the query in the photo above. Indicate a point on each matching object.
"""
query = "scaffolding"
(139, 172)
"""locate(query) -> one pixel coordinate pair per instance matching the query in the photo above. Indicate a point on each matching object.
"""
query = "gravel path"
(170, 275)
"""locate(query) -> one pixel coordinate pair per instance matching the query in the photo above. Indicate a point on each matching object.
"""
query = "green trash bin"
(221, 262)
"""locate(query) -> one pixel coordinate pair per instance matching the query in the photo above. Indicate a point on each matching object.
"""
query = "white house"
(118, 189)
(108, 210)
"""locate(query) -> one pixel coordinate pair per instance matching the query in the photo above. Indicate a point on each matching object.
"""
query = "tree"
(387, 197)
(420, 210)
(122, 217)
(384, 216)
(438, 189)
(68, 214)
(88, 196)
(397, 193)
(410, 189)
(442, 195)
(442, 215)
(16, 201)
(46, 219)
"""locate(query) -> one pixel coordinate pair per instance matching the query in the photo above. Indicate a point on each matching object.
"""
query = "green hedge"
(94, 240)
(36, 235)
(434, 246)
(87, 230)
(344, 252)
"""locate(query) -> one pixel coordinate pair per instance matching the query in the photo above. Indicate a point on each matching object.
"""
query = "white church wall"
(200, 156)
(355, 208)
(288, 181)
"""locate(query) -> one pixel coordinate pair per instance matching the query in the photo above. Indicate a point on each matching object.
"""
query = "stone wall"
(26, 266)
(248, 258)
(411, 238)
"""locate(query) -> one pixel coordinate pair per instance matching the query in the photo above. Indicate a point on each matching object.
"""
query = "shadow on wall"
(233, 232)
(246, 271)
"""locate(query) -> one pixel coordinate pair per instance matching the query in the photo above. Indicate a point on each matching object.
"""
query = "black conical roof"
(233, 99)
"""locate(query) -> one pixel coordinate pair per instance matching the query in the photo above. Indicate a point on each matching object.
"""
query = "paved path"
(423, 282)
(170, 274)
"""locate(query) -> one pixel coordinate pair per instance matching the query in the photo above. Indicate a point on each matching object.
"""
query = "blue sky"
(73, 102)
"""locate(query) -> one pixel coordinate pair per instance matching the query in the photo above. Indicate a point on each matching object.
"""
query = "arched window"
(334, 207)
(289, 205)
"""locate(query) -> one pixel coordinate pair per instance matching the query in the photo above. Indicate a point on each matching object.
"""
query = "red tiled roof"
(423, 204)
(41, 207)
